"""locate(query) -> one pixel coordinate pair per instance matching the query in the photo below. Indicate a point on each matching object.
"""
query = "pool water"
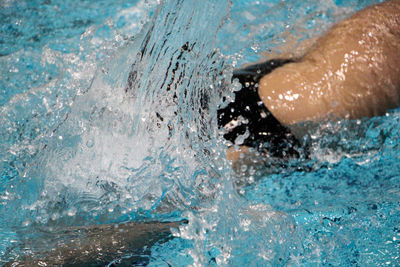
(108, 115)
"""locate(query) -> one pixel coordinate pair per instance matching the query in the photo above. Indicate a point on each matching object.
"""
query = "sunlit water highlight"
(109, 115)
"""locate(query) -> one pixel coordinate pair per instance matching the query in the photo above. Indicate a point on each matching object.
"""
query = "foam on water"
(118, 122)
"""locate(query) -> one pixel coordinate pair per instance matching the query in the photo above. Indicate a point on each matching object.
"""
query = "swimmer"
(352, 72)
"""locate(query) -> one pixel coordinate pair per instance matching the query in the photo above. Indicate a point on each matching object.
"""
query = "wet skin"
(98, 245)
(351, 72)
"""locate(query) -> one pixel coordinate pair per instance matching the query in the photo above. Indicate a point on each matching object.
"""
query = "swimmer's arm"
(352, 72)
(97, 245)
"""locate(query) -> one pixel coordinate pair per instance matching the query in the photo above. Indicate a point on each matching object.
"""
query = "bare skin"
(352, 72)
(98, 245)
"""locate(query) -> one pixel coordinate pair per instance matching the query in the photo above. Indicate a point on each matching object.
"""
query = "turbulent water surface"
(108, 115)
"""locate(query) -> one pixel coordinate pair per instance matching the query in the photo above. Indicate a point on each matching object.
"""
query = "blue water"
(108, 114)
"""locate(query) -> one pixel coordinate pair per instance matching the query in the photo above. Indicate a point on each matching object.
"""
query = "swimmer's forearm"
(352, 72)
(97, 245)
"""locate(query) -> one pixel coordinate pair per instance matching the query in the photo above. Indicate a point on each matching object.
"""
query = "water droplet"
(90, 143)
(72, 212)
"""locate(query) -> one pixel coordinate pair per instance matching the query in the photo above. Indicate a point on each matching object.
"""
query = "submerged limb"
(100, 244)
